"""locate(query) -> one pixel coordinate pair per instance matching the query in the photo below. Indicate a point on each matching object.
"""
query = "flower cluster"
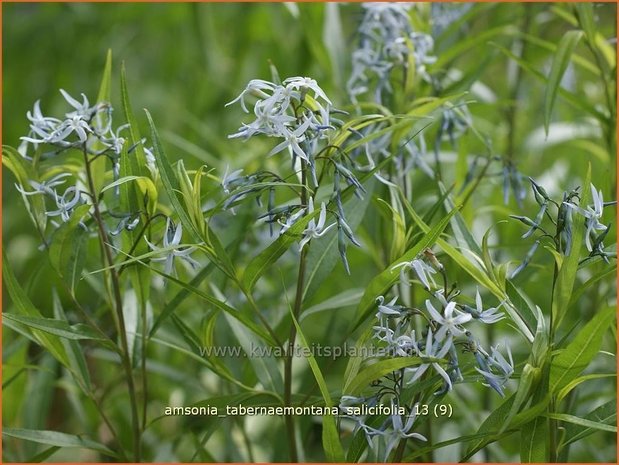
(87, 124)
(439, 333)
(299, 112)
(386, 41)
(86, 127)
(446, 321)
(561, 217)
(445, 14)
(397, 426)
(89, 129)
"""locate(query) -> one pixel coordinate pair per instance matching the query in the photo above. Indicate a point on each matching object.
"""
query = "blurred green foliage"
(185, 61)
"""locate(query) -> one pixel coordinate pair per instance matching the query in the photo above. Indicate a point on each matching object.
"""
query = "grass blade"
(54, 438)
(571, 361)
(376, 371)
(559, 65)
(330, 436)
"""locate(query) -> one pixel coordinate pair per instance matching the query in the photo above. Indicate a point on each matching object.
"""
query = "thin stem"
(144, 379)
(108, 261)
(298, 303)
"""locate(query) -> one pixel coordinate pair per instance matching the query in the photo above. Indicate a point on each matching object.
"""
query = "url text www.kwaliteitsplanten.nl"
(314, 350)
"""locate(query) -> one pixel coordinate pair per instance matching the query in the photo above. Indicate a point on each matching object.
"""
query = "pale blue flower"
(113, 139)
(433, 349)
(423, 271)
(83, 110)
(66, 203)
(392, 436)
(151, 162)
(305, 84)
(592, 214)
(75, 124)
(172, 238)
(401, 430)
(292, 139)
(495, 369)
(45, 187)
(254, 87)
(230, 179)
(39, 120)
(449, 321)
(389, 309)
(290, 220)
(315, 229)
(487, 316)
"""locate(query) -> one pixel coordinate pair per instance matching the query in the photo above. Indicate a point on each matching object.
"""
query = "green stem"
(117, 297)
(298, 303)
(552, 424)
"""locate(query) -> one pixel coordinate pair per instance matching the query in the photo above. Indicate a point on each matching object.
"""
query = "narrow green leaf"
(105, 89)
(584, 13)
(356, 359)
(461, 233)
(44, 455)
(569, 267)
(579, 353)
(569, 387)
(334, 40)
(376, 371)
(243, 316)
(534, 441)
(26, 308)
(173, 304)
(200, 359)
(489, 429)
(607, 272)
(54, 438)
(188, 334)
(559, 64)
(74, 352)
(330, 436)
(343, 299)
(104, 96)
(582, 422)
(138, 161)
(605, 414)
(66, 251)
(59, 328)
(551, 47)
(144, 188)
(171, 184)
(467, 438)
(529, 381)
(522, 303)
(471, 43)
(569, 97)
